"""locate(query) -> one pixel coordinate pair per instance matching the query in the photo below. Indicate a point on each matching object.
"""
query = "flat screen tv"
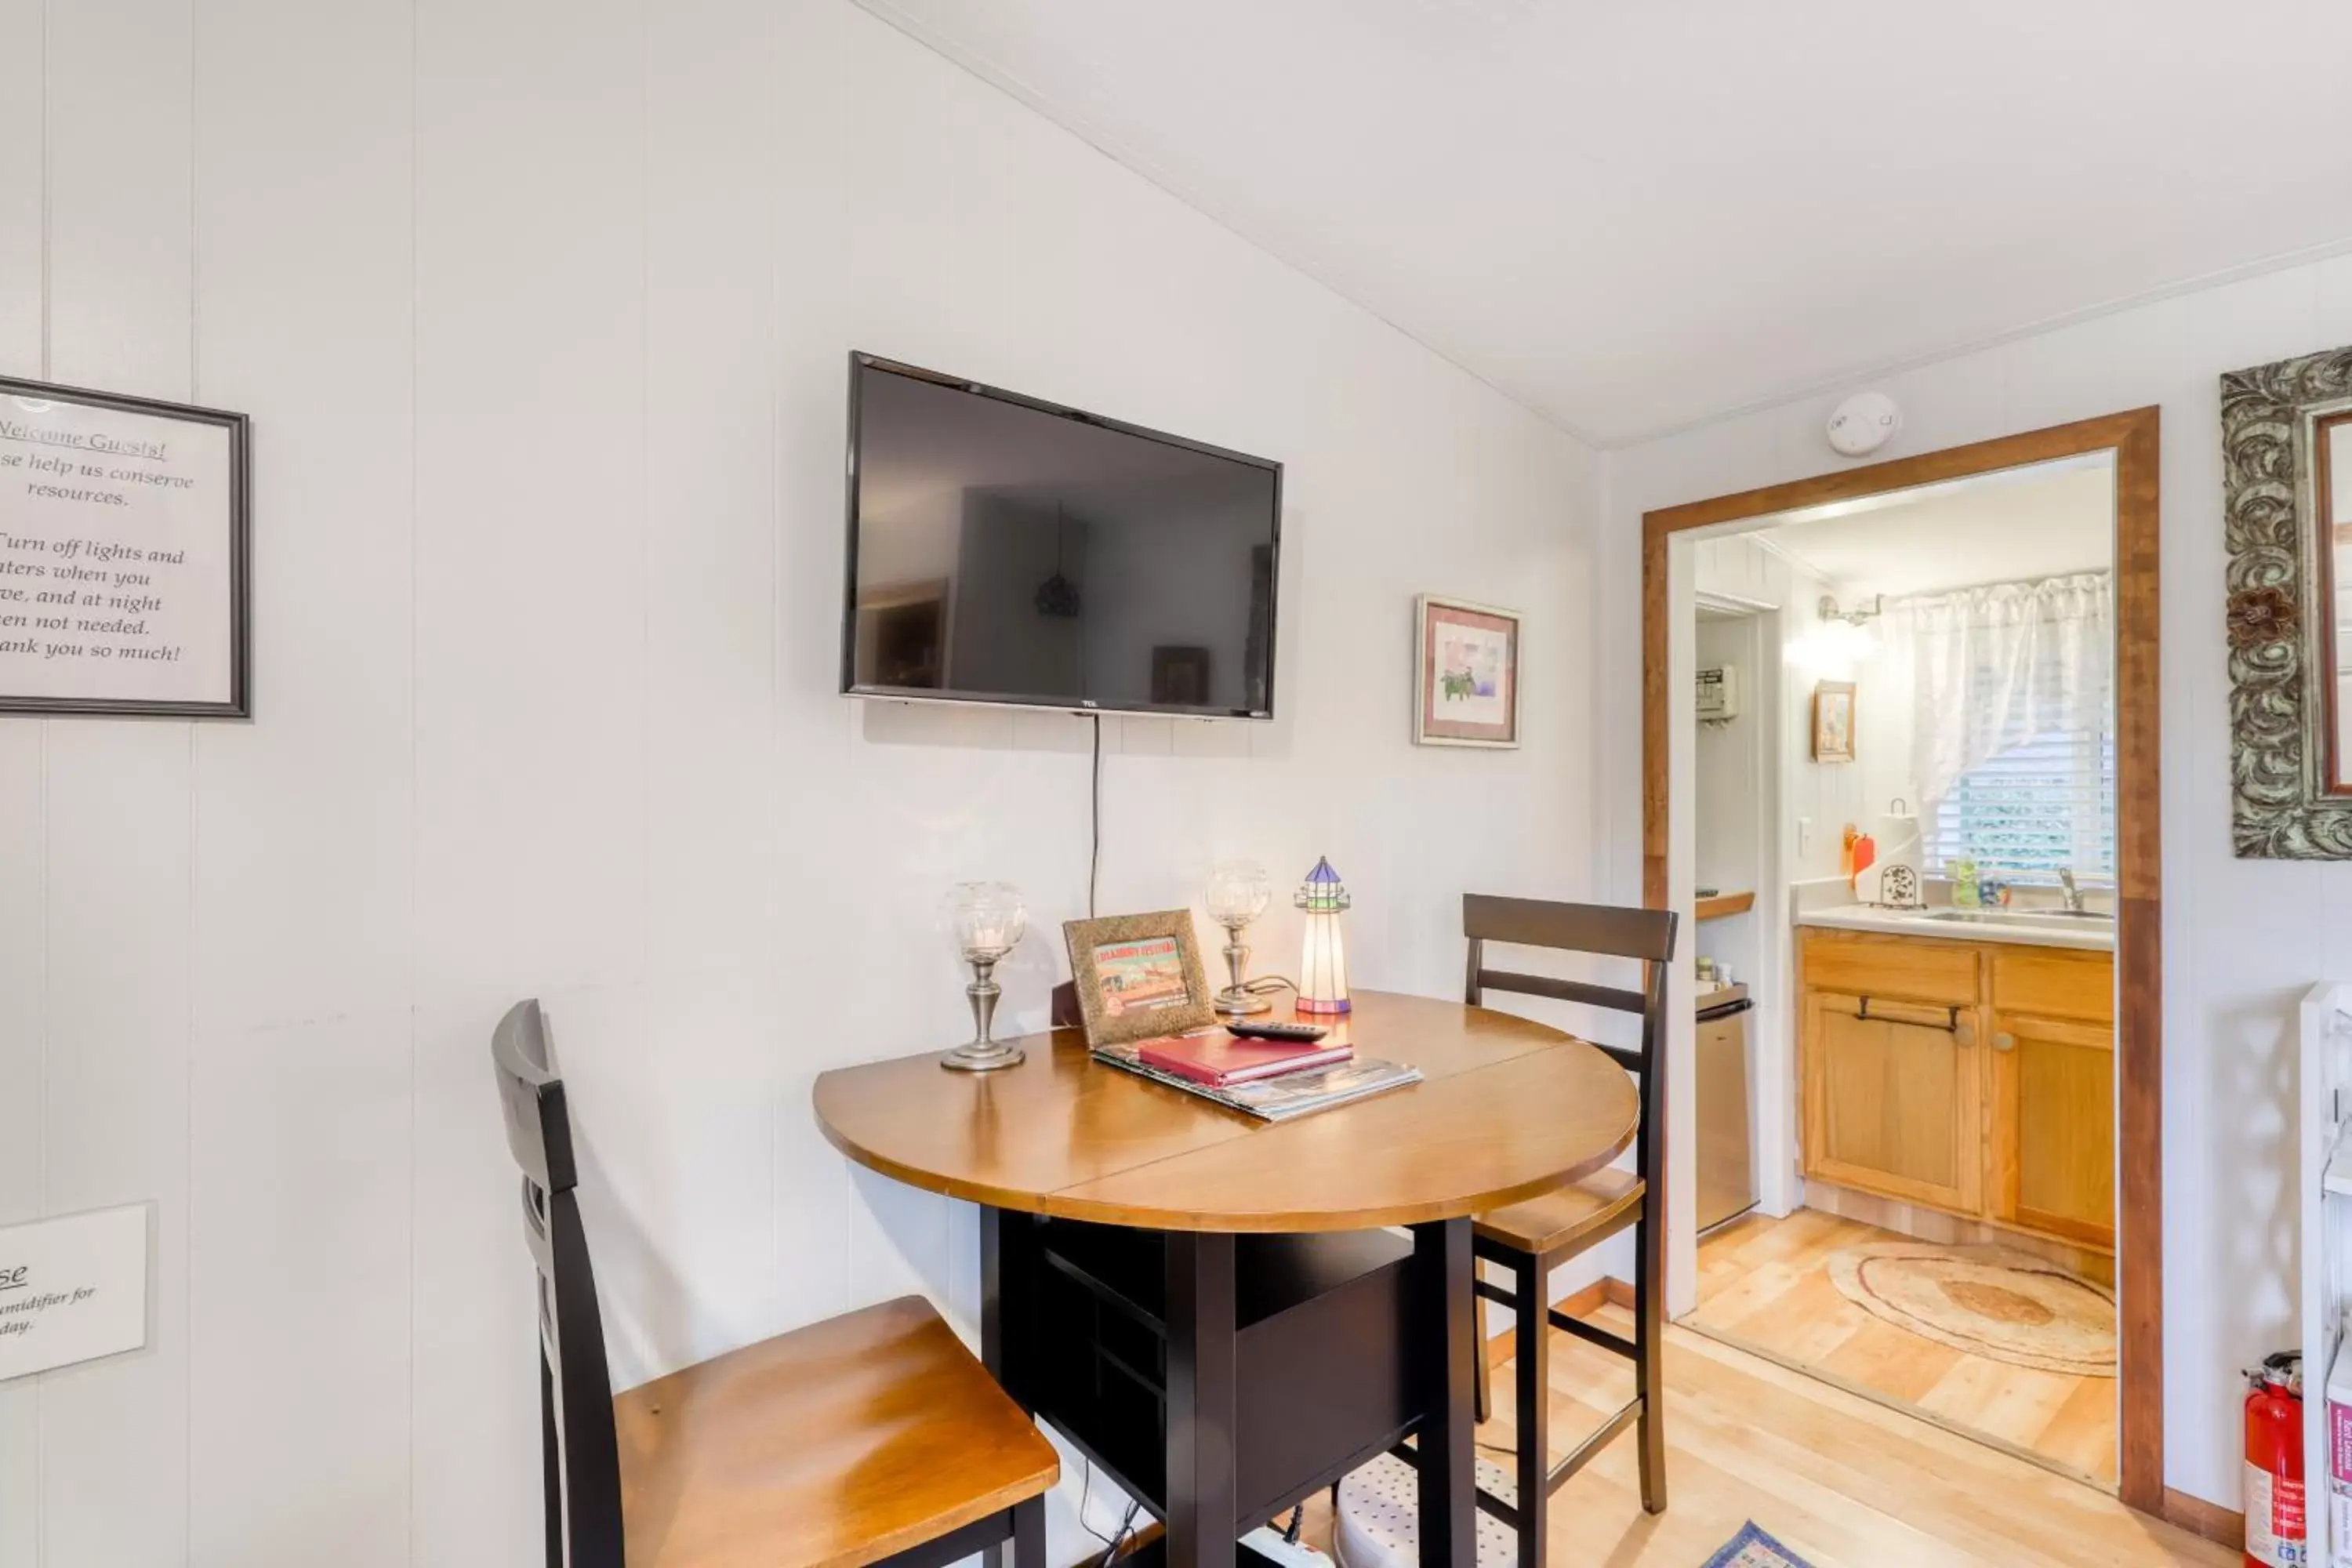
(1007, 549)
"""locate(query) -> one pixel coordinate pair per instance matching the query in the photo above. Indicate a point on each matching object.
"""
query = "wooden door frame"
(2133, 439)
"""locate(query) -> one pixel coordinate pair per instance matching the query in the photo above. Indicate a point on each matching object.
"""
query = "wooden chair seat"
(871, 1439)
(1567, 1219)
(830, 1446)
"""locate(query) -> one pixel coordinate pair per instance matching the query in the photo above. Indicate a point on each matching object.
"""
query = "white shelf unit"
(2326, 1236)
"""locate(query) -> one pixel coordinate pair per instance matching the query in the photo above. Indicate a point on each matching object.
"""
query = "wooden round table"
(1508, 1107)
(1239, 1275)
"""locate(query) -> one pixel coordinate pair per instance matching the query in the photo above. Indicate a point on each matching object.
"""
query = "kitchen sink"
(2030, 920)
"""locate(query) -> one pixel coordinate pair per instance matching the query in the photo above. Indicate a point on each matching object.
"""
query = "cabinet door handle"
(2004, 1042)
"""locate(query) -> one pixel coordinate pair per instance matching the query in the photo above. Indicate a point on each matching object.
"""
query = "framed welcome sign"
(123, 546)
(1467, 674)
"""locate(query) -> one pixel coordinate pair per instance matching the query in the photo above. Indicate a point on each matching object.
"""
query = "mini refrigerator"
(1726, 1162)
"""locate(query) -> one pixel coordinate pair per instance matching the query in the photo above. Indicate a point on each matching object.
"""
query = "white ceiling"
(1635, 217)
(2011, 527)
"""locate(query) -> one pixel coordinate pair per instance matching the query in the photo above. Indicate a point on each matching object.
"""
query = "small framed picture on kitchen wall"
(124, 543)
(1465, 674)
(1833, 721)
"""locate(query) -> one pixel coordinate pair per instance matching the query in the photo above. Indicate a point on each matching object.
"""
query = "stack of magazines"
(1252, 1078)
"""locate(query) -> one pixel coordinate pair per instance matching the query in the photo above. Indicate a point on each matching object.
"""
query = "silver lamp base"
(1233, 1002)
(1238, 999)
(983, 1056)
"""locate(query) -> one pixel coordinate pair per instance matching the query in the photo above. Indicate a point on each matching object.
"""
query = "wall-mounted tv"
(1007, 549)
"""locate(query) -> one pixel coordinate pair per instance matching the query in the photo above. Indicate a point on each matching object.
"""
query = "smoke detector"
(1863, 422)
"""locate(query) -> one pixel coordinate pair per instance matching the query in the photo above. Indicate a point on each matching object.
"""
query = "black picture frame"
(239, 523)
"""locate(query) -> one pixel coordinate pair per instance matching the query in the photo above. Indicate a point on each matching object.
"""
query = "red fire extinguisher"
(2274, 1518)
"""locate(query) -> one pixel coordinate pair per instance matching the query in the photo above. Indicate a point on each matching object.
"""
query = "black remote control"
(1289, 1033)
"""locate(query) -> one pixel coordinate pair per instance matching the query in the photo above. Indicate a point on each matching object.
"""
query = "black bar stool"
(1532, 1239)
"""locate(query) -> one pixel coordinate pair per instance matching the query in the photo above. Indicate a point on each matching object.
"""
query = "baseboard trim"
(1606, 1292)
(2210, 1520)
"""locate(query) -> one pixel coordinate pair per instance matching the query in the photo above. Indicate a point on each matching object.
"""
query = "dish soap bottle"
(1966, 893)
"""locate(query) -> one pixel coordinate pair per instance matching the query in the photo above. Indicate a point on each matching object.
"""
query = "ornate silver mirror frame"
(2286, 802)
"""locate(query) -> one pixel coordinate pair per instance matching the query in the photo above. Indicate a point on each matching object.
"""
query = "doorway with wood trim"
(2060, 1024)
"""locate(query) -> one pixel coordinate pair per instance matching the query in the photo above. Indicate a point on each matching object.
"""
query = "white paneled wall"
(1827, 796)
(2242, 939)
(540, 311)
(117, 806)
(1728, 821)
(22, 822)
(300, 1120)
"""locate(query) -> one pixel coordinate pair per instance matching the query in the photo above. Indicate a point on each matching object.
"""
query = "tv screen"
(1006, 550)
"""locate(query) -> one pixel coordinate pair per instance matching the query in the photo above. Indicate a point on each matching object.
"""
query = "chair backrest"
(579, 1450)
(1646, 936)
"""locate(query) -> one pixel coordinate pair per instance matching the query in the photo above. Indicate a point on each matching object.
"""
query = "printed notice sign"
(123, 540)
(72, 1289)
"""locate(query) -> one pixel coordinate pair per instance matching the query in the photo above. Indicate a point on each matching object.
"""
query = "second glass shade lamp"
(1238, 894)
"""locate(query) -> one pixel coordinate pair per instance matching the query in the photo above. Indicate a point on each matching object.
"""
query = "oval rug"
(1992, 1301)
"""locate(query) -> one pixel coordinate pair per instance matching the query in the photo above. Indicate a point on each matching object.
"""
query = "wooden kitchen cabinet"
(2054, 1140)
(1892, 1100)
(1973, 1077)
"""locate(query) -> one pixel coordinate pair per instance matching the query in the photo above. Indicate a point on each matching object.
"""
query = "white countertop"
(2045, 931)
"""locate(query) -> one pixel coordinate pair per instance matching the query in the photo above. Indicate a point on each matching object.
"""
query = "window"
(2043, 804)
(2013, 735)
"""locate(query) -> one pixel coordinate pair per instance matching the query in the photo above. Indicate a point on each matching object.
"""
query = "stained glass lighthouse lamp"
(1323, 964)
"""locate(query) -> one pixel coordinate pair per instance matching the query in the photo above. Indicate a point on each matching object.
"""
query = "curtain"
(1993, 668)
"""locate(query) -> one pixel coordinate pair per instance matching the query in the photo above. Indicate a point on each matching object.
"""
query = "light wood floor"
(1764, 1284)
(1846, 1483)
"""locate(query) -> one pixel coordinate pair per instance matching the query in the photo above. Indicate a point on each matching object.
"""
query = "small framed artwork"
(1833, 721)
(1465, 674)
(123, 548)
(1137, 976)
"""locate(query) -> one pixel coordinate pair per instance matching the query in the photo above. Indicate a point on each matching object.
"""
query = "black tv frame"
(859, 360)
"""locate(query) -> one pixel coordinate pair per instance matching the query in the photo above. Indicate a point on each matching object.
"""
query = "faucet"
(2071, 894)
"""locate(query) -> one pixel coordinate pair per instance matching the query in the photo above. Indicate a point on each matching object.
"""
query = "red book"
(1222, 1060)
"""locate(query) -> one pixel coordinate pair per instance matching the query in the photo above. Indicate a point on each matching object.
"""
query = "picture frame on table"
(1465, 674)
(125, 551)
(1138, 977)
(1833, 721)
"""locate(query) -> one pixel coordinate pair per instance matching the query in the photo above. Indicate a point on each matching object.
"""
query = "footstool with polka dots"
(1378, 1522)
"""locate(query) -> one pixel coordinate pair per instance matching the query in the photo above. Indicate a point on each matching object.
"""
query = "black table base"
(1222, 1379)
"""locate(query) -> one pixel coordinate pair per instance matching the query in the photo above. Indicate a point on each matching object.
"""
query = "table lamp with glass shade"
(1323, 961)
(987, 920)
(1238, 894)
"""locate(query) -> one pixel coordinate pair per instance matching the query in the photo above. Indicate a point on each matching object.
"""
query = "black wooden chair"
(1532, 1239)
(873, 1437)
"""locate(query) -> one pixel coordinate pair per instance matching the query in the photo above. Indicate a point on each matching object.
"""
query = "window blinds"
(2038, 806)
